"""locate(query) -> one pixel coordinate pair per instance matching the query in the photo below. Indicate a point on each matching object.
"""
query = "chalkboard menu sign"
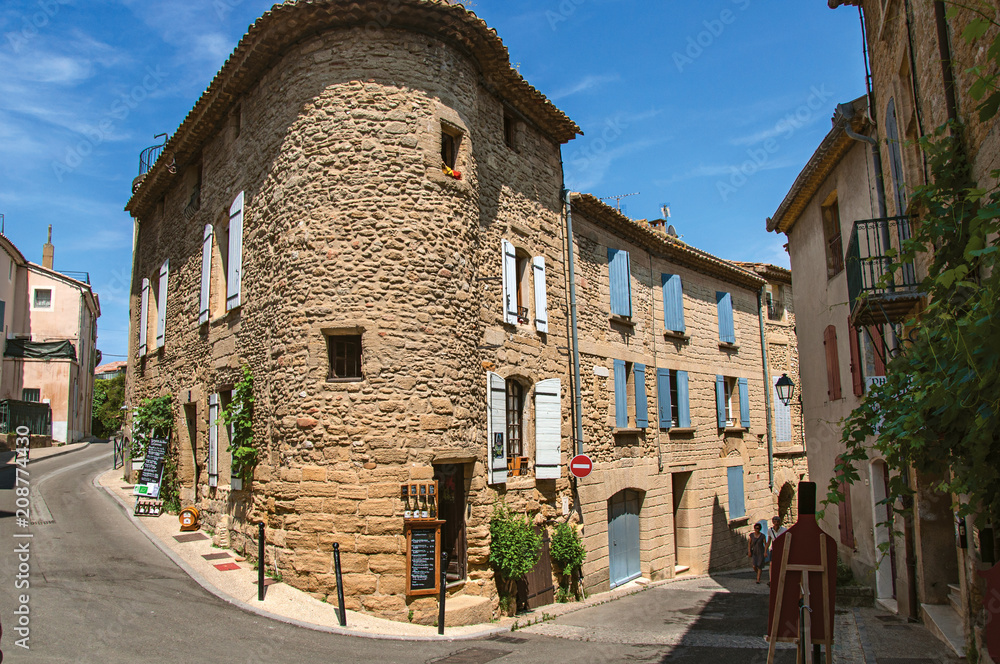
(423, 540)
(152, 468)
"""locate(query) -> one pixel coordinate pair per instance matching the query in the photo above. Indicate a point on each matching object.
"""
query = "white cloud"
(584, 84)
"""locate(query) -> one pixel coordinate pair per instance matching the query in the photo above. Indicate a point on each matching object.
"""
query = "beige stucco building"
(50, 330)
(370, 215)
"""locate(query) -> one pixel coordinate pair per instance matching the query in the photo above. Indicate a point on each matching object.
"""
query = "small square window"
(33, 395)
(344, 353)
(42, 298)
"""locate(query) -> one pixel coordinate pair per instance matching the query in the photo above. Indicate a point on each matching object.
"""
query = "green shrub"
(568, 553)
(154, 418)
(239, 417)
(515, 548)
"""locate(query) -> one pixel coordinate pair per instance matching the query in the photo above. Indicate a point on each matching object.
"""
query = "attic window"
(509, 126)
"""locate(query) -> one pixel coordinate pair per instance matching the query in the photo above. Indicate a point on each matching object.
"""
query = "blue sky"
(712, 107)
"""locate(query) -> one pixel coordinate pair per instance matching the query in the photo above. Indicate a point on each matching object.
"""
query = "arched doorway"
(786, 504)
(623, 536)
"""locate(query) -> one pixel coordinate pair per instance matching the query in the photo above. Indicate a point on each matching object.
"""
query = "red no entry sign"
(581, 465)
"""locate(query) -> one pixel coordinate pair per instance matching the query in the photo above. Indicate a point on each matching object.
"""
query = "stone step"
(680, 569)
(943, 622)
(467, 610)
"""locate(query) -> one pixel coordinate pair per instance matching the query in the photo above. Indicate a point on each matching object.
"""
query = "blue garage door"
(623, 536)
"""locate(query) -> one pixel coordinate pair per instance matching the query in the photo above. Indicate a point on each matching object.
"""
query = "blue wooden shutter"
(548, 430)
(782, 420)
(213, 440)
(720, 400)
(206, 273)
(641, 405)
(235, 275)
(621, 398)
(621, 293)
(727, 332)
(541, 302)
(143, 317)
(683, 404)
(895, 157)
(663, 398)
(161, 304)
(736, 504)
(509, 276)
(496, 428)
(744, 404)
(673, 303)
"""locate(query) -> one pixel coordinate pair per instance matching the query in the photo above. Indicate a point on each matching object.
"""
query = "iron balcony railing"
(868, 262)
(79, 276)
(149, 156)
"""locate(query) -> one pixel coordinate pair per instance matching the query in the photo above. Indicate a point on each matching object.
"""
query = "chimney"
(47, 251)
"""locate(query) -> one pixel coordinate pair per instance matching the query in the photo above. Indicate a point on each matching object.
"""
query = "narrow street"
(101, 592)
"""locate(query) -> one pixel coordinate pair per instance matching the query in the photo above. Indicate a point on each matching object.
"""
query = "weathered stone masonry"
(350, 228)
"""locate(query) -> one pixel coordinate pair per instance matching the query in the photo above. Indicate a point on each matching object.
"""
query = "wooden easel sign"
(423, 541)
(803, 573)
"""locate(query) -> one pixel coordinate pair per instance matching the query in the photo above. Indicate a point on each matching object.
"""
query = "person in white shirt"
(775, 530)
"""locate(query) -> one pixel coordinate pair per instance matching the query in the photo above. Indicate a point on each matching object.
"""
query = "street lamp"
(785, 387)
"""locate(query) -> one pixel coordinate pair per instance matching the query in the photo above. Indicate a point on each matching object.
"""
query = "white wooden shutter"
(782, 419)
(206, 274)
(213, 440)
(541, 301)
(496, 428)
(548, 430)
(509, 284)
(233, 299)
(143, 317)
(161, 304)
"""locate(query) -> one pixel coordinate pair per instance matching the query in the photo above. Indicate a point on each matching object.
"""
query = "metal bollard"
(444, 591)
(260, 563)
(341, 610)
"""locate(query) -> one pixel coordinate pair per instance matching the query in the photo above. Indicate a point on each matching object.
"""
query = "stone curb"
(250, 608)
(7, 457)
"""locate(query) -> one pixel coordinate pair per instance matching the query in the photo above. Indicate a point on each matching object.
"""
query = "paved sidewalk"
(238, 584)
(39, 453)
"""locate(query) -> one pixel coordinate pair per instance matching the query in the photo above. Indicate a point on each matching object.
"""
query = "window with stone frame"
(509, 131)
(832, 238)
(517, 463)
(730, 386)
(522, 273)
(220, 265)
(451, 138)
(344, 356)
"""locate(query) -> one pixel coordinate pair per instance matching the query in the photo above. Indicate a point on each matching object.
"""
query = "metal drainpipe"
(767, 388)
(577, 389)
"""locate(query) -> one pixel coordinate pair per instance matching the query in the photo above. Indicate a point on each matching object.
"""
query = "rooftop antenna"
(618, 199)
(671, 231)
(665, 210)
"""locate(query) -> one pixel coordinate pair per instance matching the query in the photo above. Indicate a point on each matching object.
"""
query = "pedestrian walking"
(757, 549)
(775, 530)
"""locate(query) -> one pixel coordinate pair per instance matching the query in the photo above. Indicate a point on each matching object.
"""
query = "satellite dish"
(671, 231)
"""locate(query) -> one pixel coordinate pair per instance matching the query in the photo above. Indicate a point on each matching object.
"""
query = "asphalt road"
(101, 592)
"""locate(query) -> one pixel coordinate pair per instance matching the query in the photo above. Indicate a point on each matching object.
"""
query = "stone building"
(366, 208)
(837, 188)
(49, 322)
(921, 72)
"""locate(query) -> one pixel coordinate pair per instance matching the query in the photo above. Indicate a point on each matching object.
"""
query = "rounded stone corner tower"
(335, 213)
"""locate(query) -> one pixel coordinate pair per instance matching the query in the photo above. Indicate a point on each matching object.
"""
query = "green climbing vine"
(939, 409)
(238, 416)
(154, 418)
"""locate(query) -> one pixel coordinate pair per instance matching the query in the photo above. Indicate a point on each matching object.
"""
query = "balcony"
(147, 158)
(875, 296)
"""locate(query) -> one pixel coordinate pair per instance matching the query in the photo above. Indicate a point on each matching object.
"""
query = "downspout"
(577, 389)
(944, 48)
(767, 389)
